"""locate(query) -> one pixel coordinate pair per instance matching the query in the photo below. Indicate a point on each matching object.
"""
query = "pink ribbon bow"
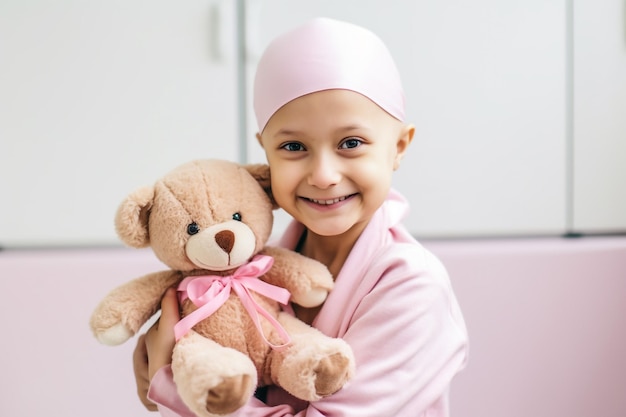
(209, 292)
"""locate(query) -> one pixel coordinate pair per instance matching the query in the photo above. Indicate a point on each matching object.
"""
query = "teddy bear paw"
(114, 335)
(313, 298)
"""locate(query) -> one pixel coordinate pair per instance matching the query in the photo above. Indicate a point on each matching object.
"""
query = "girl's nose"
(324, 172)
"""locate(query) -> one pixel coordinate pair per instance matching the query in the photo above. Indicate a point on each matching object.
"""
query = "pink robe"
(393, 303)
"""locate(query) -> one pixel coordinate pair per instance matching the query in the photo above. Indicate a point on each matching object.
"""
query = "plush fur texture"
(208, 217)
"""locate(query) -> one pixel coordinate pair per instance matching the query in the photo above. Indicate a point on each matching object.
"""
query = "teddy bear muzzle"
(222, 246)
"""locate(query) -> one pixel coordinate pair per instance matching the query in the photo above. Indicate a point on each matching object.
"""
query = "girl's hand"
(160, 339)
(154, 349)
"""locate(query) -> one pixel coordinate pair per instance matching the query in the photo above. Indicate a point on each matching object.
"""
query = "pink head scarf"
(326, 54)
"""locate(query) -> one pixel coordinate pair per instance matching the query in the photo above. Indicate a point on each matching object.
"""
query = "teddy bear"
(209, 222)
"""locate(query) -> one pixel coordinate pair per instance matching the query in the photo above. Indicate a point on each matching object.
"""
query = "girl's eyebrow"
(342, 129)
(287, 132)
(351, 127)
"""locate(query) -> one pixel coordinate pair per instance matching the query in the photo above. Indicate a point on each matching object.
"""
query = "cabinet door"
(485, 87)
(98, 98)
(599, 168)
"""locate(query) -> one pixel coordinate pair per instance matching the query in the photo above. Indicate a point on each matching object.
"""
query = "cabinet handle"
(218, 25)
(252, 13)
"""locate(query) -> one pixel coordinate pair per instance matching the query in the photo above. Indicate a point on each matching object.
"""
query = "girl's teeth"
(328, 202)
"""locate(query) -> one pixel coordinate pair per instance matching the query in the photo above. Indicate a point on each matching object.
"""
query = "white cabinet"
(485, 86)
(100, 97)
(599, 116)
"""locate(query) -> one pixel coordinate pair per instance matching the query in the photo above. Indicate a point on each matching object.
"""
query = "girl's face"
(332, 154)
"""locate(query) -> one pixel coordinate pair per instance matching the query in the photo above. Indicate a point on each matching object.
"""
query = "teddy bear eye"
(237, 216)
(193, 228)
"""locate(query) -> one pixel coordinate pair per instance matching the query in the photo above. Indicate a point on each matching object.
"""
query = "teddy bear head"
(205, 214)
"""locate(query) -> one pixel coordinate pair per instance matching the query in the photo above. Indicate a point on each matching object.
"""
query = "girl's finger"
(170, 314)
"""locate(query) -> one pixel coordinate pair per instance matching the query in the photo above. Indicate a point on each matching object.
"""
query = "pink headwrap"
(326, 54)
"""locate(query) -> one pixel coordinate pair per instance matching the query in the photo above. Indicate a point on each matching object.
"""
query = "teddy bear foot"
(229, 395)
(331, 374)
(208, 386)
(311, 375)
(312, 371)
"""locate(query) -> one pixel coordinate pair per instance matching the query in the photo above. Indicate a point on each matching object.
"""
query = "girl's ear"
(261, 173)
(131, 219)
(404, 140)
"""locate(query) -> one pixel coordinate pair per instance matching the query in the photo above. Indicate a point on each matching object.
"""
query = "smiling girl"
(330, 110)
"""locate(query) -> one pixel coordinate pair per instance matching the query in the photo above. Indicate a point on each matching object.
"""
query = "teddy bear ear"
(131, 219)
(261, 173)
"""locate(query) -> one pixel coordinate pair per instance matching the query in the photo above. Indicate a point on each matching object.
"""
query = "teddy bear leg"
(212, 380)
(315, 365)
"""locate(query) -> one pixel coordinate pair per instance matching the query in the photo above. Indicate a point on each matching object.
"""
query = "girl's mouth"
(329, 201)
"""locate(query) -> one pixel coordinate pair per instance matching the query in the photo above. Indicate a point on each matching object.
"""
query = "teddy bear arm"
(308, 280)
(126, 308)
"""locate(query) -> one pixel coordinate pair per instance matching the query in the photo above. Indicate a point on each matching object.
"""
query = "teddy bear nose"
(226, 240)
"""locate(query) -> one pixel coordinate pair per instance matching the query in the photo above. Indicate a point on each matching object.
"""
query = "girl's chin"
(333, 227)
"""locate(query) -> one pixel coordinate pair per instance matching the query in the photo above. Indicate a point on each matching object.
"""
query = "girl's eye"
(293, 147)
(237, 216)
(193, 228)
(351, 143)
